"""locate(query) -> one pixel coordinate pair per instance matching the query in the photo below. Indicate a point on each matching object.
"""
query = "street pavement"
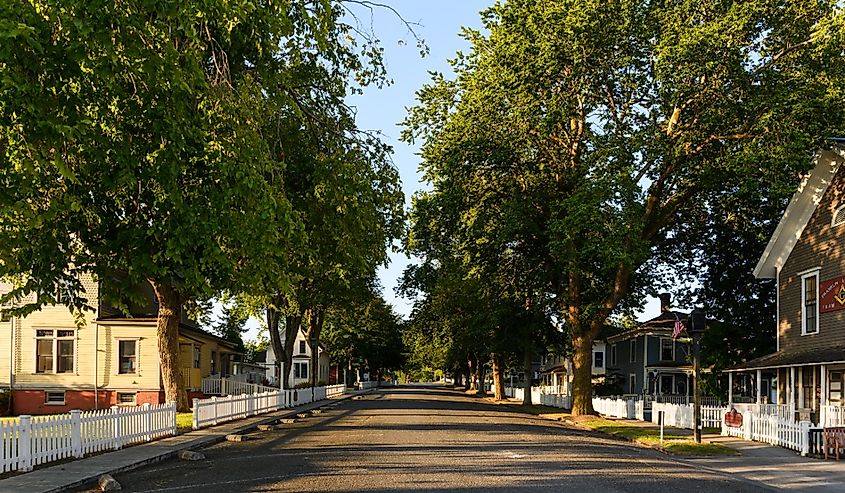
(428, 439)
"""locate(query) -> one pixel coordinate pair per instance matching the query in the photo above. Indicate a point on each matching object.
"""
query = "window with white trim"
(54, 351)
(632, 383)
(598, 359)
(667, 349)
(127, 356)
(838, 216)
(810, 303)
(633, 352)
(300, 369)
(613, 355)
(301, 347)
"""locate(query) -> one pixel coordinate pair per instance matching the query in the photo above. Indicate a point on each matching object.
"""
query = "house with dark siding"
(806, 258)
(648, 361)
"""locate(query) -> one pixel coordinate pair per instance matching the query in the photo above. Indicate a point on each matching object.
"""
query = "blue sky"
(438, 23)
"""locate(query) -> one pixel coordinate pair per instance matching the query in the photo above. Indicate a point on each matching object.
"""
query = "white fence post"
(118, 427)
(805, 438)
(195, 419)
(148, 421)
(25, 444)
(76, 433)
(214, 406)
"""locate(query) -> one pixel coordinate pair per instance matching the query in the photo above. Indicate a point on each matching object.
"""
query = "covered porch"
(799, 386)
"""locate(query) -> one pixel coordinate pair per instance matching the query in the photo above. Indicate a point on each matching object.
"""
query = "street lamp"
(696, 324)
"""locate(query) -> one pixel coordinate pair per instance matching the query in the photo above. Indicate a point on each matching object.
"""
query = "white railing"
(216, 410)
(228, 386)
(780, 410)
(832, 416)
(30, 441)
(774, 430)
(686, 399)
(367, 385)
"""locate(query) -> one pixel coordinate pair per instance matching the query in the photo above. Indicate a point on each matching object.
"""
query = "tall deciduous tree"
(594, 132)
(144, 138)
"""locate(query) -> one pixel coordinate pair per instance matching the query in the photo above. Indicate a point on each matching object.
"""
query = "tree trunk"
(292, 326)
(498, 378)
(169, 307)
(315, 326)
(582, 375)
(470, 375)
(276, 343)
(528, 374)
(479, 371)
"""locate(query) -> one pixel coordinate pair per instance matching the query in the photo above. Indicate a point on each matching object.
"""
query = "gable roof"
(799, 211)
(662, 324)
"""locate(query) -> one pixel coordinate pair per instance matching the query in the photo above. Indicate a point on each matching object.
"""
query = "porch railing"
(227, 386)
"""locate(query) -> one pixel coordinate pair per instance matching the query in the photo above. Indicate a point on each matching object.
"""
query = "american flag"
(679, 327)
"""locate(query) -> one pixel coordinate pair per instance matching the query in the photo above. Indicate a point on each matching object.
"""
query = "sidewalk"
(75, 473)
(759, 462)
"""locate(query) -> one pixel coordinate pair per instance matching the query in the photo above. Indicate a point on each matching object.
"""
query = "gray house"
(648, 361)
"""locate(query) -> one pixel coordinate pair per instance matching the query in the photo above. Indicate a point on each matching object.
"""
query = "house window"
(633, 355)
(667, 349)
(54, 351)
(54, 398)
(126, 398)
(598, 359)
(667, 384)
(214, 362)
(127, 356)
(613, 355)
(300, 369)
(196, 357)
(838, 216)
(632, 383)
(301, 347)
(810, 303)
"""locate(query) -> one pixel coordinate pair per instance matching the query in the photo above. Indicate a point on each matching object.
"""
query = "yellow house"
(53, 365)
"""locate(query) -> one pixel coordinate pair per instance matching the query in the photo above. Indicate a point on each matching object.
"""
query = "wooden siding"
(820, 246)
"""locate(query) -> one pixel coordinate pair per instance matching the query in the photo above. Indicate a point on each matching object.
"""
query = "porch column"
(757, 382)
(813, 402)
(686, 387)
(800, 382)
(791, 391)
(823, 406)
(659, 384)
(730, 389)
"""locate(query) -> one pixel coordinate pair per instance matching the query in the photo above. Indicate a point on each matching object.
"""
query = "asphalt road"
(427, 439)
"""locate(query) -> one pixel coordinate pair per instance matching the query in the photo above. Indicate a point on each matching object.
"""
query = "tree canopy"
(587, 138)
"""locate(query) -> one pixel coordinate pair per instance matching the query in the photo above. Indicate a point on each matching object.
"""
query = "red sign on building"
(832, 295)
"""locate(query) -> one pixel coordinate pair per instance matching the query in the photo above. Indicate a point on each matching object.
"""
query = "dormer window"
(810, 303)
(838, 216)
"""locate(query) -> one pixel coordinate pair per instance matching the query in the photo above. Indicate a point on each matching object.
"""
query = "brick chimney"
(665, 301)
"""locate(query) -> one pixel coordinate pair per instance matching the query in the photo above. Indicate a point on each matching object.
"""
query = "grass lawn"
(184, 422)
(674, 441)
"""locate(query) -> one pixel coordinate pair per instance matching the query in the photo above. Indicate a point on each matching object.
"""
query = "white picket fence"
(367, 385)
(774, 430)
(681, 416)
(618, 408)
(30, 441)
(833, 415)
(216, 410)
(229, 386)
